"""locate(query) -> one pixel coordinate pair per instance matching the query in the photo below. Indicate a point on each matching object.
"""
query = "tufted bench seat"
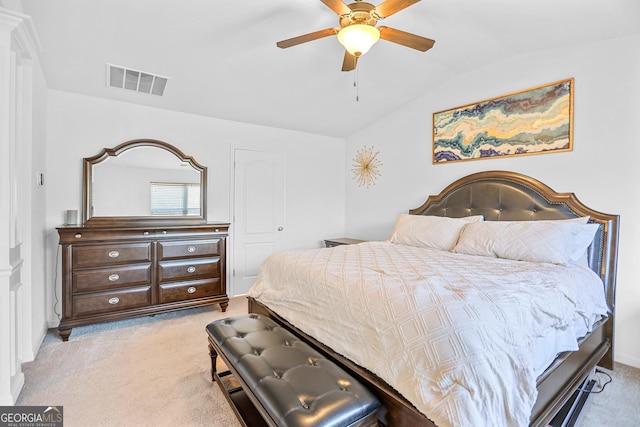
(287, 382)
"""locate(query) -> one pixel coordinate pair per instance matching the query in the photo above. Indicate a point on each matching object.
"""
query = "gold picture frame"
(533, 121)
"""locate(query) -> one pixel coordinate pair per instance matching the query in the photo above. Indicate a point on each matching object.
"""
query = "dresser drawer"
(189, 290)
(101, 255)
(196, 268)
(108, 301)
(80, 235)
(112, 277)
(189, 248)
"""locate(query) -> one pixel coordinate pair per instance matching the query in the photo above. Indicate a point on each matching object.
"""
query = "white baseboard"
(10, 398)
(627, 360)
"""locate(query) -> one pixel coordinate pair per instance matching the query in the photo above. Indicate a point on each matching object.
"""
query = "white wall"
(602, 170)
(37, 206)
(80, 126)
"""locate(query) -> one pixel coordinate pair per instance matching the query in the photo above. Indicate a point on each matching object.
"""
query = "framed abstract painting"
(532, 121)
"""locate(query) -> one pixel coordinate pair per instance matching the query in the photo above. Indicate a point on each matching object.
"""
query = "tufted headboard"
(509, 196)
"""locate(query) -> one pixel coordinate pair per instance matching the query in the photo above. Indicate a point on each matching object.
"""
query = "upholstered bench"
(286, 381)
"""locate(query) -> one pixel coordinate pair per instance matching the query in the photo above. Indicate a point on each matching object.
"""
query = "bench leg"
(214, 357)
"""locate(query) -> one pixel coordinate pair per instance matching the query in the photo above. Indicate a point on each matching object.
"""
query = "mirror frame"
(87, 172)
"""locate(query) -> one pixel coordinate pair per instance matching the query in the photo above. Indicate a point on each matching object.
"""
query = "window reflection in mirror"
(175, 199)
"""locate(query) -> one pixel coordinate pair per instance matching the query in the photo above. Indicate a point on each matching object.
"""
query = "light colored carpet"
(619, 404)
(149, 371)
(156, 371)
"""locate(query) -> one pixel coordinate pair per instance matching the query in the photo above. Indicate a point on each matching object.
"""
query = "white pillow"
(583, 259)
(429, 231)
(579, 220)
(558, 242)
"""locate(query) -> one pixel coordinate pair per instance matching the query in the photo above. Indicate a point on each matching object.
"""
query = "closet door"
(258, 214)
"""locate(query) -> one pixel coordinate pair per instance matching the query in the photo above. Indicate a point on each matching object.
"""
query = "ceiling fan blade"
(307, 38)
(350, 61)
(389, 7)
(406, 39)
(337, 6)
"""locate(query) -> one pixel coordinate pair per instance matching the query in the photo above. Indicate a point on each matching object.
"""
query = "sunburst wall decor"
(366, 166)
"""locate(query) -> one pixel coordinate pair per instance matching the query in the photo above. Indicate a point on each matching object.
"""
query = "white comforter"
(455, 334)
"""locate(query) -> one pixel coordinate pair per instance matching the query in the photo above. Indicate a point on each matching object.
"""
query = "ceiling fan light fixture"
(358, 38)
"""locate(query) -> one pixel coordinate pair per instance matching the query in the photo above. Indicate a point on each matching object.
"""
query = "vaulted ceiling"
(222, 61)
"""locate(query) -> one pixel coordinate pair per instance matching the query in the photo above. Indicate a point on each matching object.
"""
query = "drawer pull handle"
(164, 231)
(114, 277)
(191, 249)
(145, 233)
(78, 235)
(114, 300)
(191, 269)
(114, 254)
(191, 289)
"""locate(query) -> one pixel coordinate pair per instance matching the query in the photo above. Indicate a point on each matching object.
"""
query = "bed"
(483, 201)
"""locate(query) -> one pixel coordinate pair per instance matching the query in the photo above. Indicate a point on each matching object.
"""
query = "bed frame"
(509, 196)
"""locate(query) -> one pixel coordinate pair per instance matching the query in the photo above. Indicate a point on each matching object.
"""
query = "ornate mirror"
(141, 181)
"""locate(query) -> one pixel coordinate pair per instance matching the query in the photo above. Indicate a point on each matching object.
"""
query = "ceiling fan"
(358, 31)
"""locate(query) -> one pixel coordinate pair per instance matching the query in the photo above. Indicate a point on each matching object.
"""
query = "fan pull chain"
(355, 84)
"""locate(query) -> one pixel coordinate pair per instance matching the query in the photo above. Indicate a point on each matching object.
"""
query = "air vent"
(139, 81)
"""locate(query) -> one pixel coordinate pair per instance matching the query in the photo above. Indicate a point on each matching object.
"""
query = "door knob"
(280, 228)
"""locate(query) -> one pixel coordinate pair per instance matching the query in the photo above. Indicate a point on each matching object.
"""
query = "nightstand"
(341, 241)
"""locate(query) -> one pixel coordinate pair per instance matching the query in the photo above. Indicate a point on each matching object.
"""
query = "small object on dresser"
(71, 217)
(341, 241)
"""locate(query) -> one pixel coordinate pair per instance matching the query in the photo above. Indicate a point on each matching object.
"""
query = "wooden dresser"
(112, 272)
